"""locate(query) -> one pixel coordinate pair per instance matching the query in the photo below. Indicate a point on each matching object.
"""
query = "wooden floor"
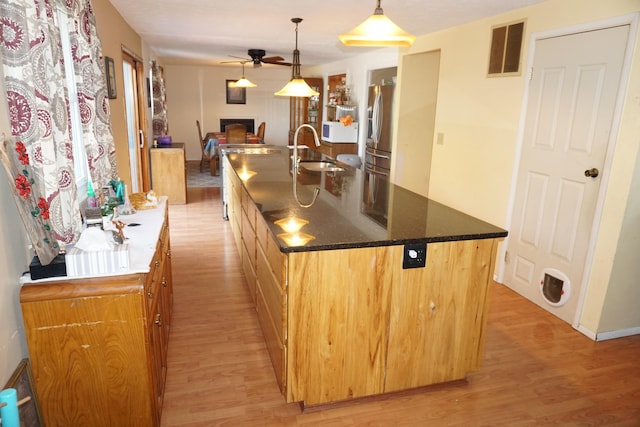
(537, 370)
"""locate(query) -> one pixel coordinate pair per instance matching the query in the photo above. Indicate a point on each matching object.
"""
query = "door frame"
(137, 64)
(628, 19)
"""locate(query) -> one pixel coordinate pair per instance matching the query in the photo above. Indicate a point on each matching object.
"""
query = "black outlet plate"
(415, 255)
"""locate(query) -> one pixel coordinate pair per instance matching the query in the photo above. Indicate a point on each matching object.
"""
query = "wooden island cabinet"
(98, 345)
(348, 321)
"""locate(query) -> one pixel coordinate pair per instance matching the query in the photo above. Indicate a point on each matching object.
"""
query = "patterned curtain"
(39, 158)
(92, 93)
(160, 123)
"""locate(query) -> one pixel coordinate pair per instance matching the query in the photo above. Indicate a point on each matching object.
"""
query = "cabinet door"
(337, 330)
(86, 354)
(438, 315)
(168, 174)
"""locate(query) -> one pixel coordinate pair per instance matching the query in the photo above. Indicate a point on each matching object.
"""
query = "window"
(80, 165)
(506, 46)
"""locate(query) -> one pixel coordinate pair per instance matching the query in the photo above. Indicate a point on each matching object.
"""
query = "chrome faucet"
(296, 162)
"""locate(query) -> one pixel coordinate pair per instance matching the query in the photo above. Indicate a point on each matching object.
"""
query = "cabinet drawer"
(274, 296)
(252, 214)
(244, 198)
(249, 238)
(248, 266)
(164, 241)
(153, 279)
(275, 346)
(275, 259)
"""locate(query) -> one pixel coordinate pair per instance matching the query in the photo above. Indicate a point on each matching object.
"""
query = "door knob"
(593, 172)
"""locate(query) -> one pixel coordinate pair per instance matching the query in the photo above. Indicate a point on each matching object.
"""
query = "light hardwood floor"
(536, 370)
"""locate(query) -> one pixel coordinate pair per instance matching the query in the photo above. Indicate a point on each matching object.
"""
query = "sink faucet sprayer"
(296, 162)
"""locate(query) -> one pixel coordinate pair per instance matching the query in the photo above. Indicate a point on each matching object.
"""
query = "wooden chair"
(260, 133)
(204, 159)
(236, 133)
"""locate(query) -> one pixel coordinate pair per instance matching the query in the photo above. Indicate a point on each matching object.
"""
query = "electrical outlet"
(415, 255)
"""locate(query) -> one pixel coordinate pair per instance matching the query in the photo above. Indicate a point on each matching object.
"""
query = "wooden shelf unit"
(306, 110)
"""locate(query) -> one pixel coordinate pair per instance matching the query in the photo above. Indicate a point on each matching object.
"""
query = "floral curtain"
(40, 156)
(160, 123)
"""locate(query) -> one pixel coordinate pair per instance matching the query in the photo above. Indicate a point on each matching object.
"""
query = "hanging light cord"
(295, 70)
(378, 10)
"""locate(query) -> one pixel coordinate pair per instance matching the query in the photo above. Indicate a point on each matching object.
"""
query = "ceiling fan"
(257, 57)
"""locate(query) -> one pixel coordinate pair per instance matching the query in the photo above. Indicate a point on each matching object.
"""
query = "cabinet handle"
(169, 253)
(150, 294)
(164, 282)
(158, 320)
(157, 263)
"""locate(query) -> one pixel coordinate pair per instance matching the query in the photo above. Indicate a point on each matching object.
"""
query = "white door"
(570, 111)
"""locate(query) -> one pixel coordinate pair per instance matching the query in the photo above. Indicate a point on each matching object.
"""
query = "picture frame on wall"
(111, 77)
(236, 95)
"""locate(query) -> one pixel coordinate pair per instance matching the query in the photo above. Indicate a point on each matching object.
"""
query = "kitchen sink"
(320, 166)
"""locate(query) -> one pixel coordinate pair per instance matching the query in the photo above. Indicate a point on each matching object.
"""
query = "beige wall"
(479, 120)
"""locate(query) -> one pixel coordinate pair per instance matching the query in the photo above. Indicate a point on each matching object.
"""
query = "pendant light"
(243, 82)
(378, 30)
(296, 86)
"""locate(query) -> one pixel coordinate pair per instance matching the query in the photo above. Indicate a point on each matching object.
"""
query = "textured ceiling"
(208, 31)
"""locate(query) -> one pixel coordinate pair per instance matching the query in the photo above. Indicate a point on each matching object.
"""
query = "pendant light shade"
(243, 82)
(296, 86)
(377, 30)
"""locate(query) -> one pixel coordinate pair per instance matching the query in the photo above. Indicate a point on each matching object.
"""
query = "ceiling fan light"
(297, 87)
(377, 30)
(243, 82)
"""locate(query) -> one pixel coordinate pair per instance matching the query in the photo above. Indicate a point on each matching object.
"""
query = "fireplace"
(247, 122)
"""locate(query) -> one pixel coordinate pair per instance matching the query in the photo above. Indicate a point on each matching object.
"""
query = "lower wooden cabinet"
(98, 346)
(169, 172)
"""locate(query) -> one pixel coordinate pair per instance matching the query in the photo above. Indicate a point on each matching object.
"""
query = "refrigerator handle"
(376, 171)
(381, 156)
(377, 118)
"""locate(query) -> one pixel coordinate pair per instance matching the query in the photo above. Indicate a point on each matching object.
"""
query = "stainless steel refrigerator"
(378, 152)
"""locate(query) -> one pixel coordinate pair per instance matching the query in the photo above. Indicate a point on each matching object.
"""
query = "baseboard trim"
(620, 333)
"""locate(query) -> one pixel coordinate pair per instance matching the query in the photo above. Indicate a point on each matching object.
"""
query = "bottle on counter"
(92, 202)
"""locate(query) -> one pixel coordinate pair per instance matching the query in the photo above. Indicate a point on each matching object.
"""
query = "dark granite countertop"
(339, 219)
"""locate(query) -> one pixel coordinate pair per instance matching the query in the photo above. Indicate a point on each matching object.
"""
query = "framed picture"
(111, 77)
(236, 95)
(28, 407)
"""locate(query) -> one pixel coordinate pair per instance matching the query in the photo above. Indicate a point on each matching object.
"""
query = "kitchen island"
(353, 304)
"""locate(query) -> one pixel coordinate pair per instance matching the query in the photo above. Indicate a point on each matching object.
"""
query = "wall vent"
(506, 47)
